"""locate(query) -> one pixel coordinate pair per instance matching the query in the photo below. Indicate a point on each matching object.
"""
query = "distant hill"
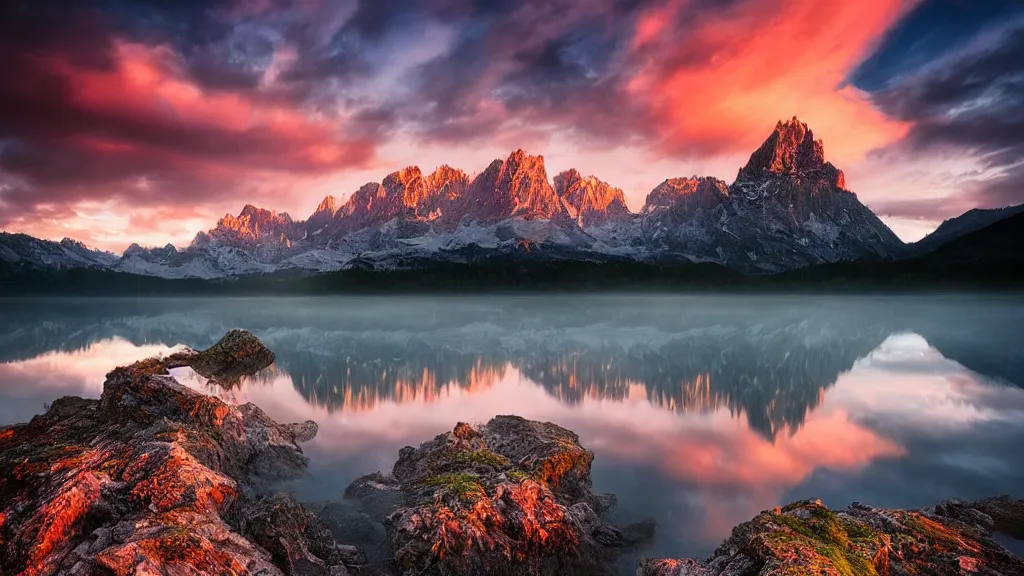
(966, 223)
(997, 244)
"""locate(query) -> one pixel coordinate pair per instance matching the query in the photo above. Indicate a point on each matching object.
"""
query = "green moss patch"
(483, 457)
(517, 476)
(462, 486)
(842, 544)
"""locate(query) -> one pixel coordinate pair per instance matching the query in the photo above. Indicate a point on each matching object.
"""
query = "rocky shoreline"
(156, 478)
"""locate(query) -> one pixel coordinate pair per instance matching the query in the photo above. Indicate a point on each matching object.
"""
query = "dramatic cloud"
(123, 114)
(681, 78)
(98, 117)
(965, 106)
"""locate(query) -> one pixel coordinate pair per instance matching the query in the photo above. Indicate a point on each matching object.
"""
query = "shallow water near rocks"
(701, 410)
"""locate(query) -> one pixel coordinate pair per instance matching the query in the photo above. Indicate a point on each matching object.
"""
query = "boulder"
(512, 496)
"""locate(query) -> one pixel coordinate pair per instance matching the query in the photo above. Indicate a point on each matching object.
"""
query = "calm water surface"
(702, 411)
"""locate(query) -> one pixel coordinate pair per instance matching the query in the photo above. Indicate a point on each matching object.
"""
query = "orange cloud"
(718, 84)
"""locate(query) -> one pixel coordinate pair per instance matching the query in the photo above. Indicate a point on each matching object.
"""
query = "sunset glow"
(146, 122)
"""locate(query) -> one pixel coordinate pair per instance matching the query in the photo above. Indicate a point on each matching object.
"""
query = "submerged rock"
(510, 497)
(951, 538)
(147, 480)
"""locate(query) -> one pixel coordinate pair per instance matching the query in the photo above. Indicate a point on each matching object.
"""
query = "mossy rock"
(820, 541)
(465, 487)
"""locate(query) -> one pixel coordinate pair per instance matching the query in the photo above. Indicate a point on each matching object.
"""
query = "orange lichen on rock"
(563, 460)
(179, 480)
(177, 551)
(212, 413)
(140, 481)
(542, 523)
(880, 560)
(48, 532)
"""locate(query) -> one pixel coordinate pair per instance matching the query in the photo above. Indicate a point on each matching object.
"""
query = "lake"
(701, 410)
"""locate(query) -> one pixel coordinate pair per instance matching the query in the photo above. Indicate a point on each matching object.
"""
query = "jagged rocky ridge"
(24, 250)
(786, 209)
(154, 478)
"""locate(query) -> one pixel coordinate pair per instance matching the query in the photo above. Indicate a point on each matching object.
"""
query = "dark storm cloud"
(83, 30)
(961, 88)
(568, 67)
(236, 62)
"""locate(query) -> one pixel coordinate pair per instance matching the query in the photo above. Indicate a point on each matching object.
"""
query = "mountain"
(402, 193)
(445, 187)
(788, 208)
(24, 251)
(804, 205)
(966, 223)
(515, 187)
(683, 216)
(155, 255)
(589, 201)
(687, 195)
(253, 227)
(998, 244)
(323, 215)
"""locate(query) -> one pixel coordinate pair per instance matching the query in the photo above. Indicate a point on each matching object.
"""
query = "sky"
(147, 120)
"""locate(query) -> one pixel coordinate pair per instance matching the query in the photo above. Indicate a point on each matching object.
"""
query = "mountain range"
(788, 208)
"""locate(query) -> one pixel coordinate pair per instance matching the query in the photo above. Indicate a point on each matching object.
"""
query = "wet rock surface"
(512, 496)
(951, 538)
(155, 478)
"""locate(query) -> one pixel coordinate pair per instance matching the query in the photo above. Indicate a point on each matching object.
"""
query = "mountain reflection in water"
(702, 411)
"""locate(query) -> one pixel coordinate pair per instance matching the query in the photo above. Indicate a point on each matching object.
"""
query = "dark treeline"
(541, 276)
